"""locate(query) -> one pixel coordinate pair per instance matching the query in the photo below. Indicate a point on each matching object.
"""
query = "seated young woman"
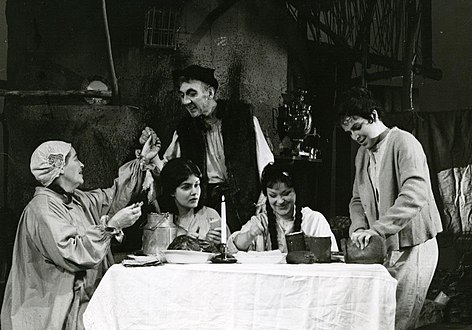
(180, 179)
(266, 231)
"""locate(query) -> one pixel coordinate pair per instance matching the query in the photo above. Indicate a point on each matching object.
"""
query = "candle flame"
(222, 198)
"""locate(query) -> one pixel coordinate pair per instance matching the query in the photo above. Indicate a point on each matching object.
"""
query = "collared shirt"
(215, 159)
(376, 154)
(215, 156)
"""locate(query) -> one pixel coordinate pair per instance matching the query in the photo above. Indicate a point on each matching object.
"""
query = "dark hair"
(271, 175)
(195, 72)
(357, 101)
(172, 175)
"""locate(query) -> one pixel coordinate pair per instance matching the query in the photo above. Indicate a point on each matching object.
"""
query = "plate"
(139, 261)
(267, 257)
(143, 258)
(187, 257)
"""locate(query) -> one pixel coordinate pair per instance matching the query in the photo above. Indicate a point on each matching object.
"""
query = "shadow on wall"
(105, 137)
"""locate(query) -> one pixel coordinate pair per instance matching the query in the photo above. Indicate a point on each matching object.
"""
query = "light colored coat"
(61, 252)
(407, 214)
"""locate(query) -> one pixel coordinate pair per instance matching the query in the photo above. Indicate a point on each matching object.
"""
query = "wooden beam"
(376, 59)
(363, 35)
(409, 54)
(298, 44)
(338, 40)
(387, 74)
(363, 39)
(110, 54)
(30, 93)
(426, 33)
(305, 9)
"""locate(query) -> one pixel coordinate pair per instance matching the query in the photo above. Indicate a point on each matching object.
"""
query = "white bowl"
(187, 257)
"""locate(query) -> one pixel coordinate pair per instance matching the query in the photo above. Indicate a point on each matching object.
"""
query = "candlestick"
(223, 257)
(223, 220)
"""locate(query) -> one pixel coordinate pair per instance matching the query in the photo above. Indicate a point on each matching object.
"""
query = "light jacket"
(407, 214)
(61, 252)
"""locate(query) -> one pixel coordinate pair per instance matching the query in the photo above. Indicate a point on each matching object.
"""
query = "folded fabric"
(140, 261)
(260, 257)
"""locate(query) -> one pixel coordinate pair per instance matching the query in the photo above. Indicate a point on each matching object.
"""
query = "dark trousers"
(235, 213)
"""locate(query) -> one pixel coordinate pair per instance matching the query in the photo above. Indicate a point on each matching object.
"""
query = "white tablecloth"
(244, 296)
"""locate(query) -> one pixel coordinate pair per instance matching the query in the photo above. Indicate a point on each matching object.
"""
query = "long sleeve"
(259, 243)
(59, 257)
(263, 153)
(62, 251)
(172, 151)
(406, 212)
(356, 210)
(412, 175)
(71, 234)
(110, 200)
(63, 234)
(315, 224)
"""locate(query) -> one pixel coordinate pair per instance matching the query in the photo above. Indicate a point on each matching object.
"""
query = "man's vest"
(237, 128)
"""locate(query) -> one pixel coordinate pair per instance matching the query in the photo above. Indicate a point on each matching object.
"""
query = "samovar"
(293, 120)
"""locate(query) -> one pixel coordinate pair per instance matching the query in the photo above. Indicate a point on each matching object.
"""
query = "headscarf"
(48, 160)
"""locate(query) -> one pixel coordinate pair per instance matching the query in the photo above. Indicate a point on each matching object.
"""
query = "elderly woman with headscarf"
(62, 246)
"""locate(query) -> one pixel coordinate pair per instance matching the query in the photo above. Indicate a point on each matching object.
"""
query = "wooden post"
(409, 55)
(110, 55)
(84, 93)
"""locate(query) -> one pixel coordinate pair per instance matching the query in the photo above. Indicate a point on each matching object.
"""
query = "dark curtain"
(447, 140)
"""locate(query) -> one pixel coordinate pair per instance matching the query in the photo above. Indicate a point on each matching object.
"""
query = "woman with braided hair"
(266, 231)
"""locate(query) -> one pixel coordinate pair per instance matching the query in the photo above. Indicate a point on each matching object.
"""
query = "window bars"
(161, 28)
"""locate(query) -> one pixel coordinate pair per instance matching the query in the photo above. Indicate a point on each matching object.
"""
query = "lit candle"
(223, 220)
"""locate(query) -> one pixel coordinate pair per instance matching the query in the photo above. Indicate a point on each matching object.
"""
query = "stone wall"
(60, 45)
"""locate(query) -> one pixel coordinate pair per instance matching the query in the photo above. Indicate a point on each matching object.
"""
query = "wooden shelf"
(306, 159)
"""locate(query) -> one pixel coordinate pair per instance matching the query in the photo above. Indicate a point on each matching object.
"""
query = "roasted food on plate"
(184, 242)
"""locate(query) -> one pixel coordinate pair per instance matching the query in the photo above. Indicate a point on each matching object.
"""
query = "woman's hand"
(261, 204)
(146, 133)
(126, 217)
(151, 144)
(243, 240)
(256, 228)
(150, 149)
(214, 236)
(362, 237)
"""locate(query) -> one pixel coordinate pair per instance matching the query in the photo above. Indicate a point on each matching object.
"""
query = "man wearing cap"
(224, 139)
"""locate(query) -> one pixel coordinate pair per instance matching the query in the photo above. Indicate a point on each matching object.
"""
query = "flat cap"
(196, 72)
